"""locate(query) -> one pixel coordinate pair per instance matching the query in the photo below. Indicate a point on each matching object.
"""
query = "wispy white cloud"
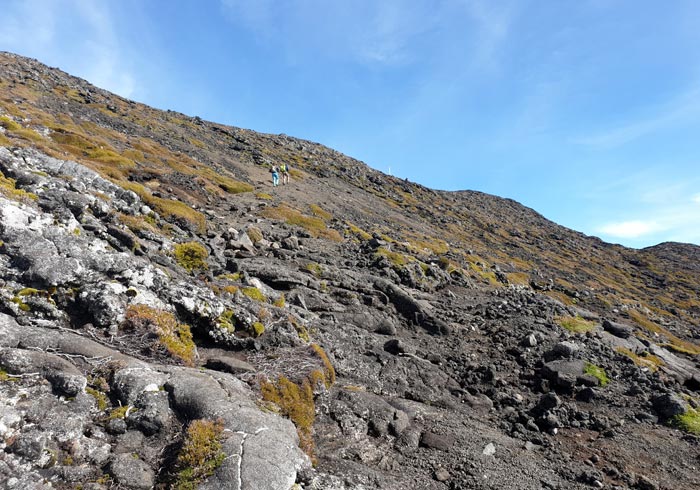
(696, 198)
(674, 222)
(682, 109)
(629, 229)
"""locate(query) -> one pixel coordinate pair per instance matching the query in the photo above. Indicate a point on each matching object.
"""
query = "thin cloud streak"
(683, 109)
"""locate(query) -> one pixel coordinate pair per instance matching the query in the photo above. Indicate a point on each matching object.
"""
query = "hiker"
(275, 175)
(285, 173)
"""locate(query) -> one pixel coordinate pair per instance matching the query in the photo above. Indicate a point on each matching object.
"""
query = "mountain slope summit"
(169, 319)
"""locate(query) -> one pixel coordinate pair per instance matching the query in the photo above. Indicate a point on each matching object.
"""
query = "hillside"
(157, 289)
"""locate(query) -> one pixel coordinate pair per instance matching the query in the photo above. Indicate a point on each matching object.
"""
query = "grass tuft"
(575, 324)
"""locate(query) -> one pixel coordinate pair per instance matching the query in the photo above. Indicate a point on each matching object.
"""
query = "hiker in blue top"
(275, 175)
(284, 168)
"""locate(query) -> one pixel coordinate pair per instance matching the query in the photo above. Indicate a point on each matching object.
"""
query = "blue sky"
(587, 111)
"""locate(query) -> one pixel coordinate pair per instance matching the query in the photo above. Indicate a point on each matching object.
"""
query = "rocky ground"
(336, 333)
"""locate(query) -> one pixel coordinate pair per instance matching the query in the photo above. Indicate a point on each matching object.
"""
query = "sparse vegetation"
(175, 337)
(576, 324)
(315, 269)
(314, 225)
(295, 401)
(328, 370)
(279, 302)
(100, 398)
(201, 453)
(8, 188)
(319, 212)
(227, 321)
(397, 259)
(357, 231)
(675, 343)
(644, 359)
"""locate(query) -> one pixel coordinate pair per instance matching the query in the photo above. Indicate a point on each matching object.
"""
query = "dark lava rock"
(617, 329)
(669, 405)
(437, 441)
(132, 472)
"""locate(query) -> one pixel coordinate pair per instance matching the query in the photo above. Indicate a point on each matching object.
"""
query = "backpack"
(283, 167)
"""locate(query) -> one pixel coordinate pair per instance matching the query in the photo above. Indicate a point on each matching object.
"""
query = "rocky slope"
(169, 319)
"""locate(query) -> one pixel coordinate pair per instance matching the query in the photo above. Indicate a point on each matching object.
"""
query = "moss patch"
(597, 372)
(688, 421)
(254, 293)
(191, 256)
(201, 453)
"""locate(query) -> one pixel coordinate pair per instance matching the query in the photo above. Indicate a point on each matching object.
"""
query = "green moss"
(100, 398)
(201, 453)
(230, 277)
(5, 377)
(227, 321)
(119, 412)
(302, 331)
(254, 293)
(688, 421)
(264, 196)
(576, 324)
(597, 372)
(29, 292)
(257, 329)
(21, 304)
(191, 256)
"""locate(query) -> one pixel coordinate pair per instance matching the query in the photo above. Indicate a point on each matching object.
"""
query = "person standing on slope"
(275, 175)
(284, 168)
